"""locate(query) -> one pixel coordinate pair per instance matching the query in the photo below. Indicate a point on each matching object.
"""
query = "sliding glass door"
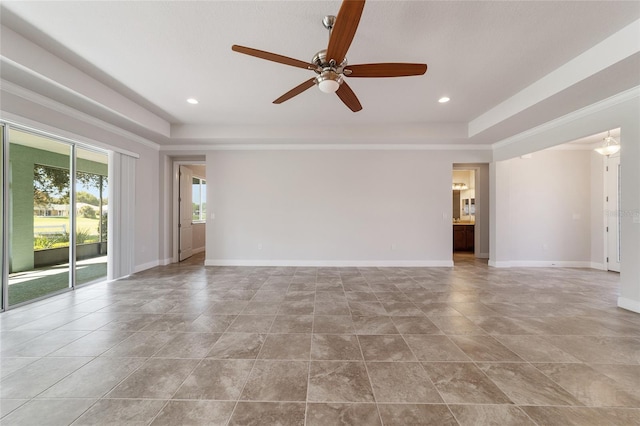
(3, 221)
(91, 220)
(56, 216)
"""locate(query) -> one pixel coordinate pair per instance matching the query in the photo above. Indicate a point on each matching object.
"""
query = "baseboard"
(550, 264)
(332, 263)
(599, 266)
(499, 263)
(198, 250)
(629, 304)
(483, 255)
(145, 266)
(545, 264)
(167, 261)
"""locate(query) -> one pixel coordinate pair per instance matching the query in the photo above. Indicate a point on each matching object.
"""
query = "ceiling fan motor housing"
(329, 76)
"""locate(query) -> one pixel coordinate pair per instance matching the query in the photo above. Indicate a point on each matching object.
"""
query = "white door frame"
(611, 205)
(175, 205)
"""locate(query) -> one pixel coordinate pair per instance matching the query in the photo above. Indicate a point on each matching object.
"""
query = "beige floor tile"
(251, 324)
(195, 413)
(374, 325)
(415, 325)
(484, 348)
(50, 412)
(142, 344)
(10, 365)
(9, 405)
(268, 413)
(277, 381)
(216, 379)
(434, 348)
(188, 345)
(207, 323)
(95, 379)
(292, 324)
(237, 346)
(401, 382)
(38, 376)
(339, 381)
(121, 412)
(453, 325)
(156, 378)
(589, 386)
(504, 415)
(464, 383)
(333, 324)
(416, 415)
(524, 384)
(385, 348)
(535, 349)
(286, 346)
(342, 414)
(334, 347)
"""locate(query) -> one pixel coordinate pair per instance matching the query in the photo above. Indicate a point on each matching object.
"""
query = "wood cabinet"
(463, 237)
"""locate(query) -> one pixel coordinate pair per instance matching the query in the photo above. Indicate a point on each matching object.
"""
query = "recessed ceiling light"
(192, 101)
(443, 100)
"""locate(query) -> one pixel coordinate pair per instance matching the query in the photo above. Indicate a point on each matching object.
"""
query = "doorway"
(190, 209)
(463, 210)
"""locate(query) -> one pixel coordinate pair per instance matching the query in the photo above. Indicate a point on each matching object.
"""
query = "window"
(199, 200)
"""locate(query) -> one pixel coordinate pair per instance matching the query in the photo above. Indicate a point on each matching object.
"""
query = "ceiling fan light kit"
(330, 65)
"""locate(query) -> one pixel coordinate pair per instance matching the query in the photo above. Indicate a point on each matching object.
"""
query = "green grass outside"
(42, 286)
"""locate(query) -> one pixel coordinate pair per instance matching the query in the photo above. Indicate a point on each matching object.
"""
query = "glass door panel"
(2, 182)
(39, 216)
(91, 221)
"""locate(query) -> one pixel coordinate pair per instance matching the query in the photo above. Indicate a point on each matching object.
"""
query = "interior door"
(185, 229)
(613, 213)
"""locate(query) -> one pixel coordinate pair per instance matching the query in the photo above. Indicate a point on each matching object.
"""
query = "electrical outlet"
(259, 246)
(393, 246)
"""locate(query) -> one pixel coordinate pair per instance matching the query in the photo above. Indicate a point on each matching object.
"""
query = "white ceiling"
(160, 53)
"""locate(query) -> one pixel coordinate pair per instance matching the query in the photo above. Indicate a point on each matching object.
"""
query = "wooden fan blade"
(344, 29)
(385, 70)
(295, 91)
(348, 97)
(271, 57)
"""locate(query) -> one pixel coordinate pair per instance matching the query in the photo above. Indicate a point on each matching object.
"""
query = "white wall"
(549, 208)
(620, 111)
(331, 207)
(199, 237)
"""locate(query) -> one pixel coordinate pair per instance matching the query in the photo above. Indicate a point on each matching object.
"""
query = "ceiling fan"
(331, 66)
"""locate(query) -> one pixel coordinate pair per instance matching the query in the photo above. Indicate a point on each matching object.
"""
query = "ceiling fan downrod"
(329, 73)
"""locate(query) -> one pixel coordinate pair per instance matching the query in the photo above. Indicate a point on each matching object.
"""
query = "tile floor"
(185, 344)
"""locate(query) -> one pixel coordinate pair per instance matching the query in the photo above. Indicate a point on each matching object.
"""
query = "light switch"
(213, 215)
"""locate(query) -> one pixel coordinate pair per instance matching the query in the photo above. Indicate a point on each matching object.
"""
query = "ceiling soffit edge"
(608, 52)
(591, 109)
